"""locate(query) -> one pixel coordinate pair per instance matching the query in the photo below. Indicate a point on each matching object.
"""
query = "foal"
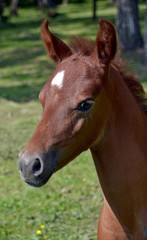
(90, 101)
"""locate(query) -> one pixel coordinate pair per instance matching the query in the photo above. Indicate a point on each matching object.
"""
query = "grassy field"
(68, 206)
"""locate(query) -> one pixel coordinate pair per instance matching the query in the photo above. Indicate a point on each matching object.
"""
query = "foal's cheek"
(78, 126)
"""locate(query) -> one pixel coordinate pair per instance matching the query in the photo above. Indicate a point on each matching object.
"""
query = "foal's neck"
(121, 161)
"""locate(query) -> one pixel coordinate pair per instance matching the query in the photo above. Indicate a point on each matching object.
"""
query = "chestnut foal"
(91, 102)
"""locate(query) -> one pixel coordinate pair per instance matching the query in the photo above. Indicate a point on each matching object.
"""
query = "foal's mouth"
(36, 169)
(38, 182)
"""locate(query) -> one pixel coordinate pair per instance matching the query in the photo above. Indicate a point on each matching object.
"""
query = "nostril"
(37, 167)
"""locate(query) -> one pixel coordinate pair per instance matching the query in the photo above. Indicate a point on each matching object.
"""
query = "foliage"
(69, 205)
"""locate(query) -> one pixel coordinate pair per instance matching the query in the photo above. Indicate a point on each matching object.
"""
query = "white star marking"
(58, 80)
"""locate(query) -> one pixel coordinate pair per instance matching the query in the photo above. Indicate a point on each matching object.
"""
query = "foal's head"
(75, 107)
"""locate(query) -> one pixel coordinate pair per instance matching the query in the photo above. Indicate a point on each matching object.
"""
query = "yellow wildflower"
(45, 237)
(38, 232)
(42, 226)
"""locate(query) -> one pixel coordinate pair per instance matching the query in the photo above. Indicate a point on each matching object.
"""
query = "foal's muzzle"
(36, 169)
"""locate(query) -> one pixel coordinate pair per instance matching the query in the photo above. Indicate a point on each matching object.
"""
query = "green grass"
(69, 204)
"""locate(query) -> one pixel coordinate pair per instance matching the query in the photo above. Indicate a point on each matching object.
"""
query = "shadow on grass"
(21, 93)
(20, 56)
(20, 25)
(24, 86)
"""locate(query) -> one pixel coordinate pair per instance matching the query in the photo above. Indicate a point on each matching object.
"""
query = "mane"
(87, 47)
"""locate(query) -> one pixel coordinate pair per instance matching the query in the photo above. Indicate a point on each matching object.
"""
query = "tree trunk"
(2, 5)
(64, 2)
(127, 23)
(94, 9)
(14, 7)
(145, 35)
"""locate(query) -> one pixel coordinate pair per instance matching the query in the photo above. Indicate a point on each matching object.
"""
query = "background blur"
(68, 206)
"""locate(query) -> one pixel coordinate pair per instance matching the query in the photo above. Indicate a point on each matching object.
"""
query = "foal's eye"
(85, 105)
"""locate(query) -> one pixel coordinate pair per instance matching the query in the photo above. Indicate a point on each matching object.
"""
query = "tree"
(1, 8)
(94, 9)
(127, 23)
(14, 7)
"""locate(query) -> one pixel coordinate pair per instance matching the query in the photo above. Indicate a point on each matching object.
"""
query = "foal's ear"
(56, 49)
(106, 42)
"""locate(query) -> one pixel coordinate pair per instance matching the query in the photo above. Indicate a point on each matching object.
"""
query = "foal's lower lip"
(39, 183)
